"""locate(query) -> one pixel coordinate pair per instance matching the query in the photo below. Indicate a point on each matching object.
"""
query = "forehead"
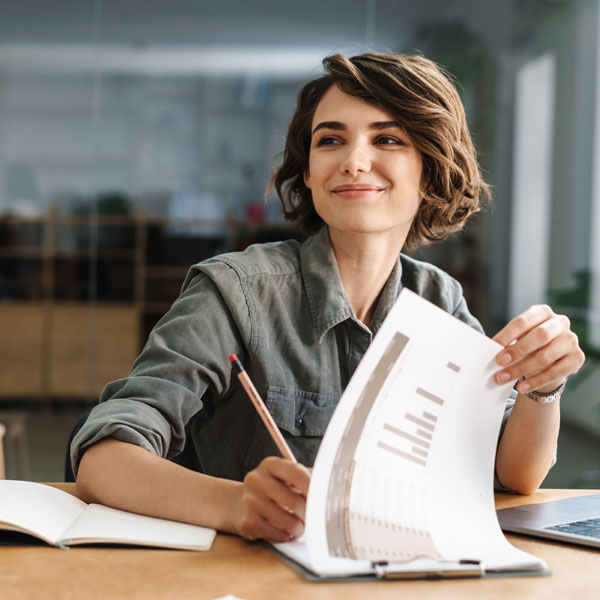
(336, 105)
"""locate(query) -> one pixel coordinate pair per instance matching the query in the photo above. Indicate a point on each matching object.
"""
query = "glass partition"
(137, 139)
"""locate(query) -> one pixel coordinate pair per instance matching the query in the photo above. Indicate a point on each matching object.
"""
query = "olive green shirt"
(282, 309)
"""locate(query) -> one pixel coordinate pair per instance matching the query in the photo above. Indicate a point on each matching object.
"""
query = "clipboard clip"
(437, 570)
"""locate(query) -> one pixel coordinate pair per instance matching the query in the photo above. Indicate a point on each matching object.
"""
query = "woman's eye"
(327, 141)
(387, 140)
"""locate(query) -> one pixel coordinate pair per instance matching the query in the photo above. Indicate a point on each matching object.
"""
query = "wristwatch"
(548, 397)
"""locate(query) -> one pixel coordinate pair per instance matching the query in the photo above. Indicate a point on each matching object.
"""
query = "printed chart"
(414, 439)
(361, 520)
(405, 469)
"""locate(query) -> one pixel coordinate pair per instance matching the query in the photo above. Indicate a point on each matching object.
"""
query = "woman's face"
(364, 173)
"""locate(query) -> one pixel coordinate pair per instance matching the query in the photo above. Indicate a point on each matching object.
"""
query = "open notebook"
(403, 481)
(60, 519)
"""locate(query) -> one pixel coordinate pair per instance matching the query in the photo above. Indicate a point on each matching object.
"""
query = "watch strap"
(546, 397)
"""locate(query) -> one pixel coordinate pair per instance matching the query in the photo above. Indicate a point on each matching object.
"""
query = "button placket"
(358, 344)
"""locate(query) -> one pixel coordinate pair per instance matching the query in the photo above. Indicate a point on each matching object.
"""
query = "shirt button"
(299, 422)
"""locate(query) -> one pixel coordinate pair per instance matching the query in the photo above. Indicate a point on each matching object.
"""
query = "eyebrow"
(338, 126)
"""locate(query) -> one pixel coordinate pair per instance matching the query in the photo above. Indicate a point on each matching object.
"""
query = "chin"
(362, 227)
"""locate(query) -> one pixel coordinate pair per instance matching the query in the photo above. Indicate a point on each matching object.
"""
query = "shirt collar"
(327, 298)
(388, 296)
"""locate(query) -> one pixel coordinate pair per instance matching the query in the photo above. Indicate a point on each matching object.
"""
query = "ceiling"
(237, 22)
(233, 36)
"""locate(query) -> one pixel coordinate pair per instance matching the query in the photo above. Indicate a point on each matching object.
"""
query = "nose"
(357, 159)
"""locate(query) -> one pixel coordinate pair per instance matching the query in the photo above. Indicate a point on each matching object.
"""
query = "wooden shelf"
(98, 253)
(63, 346)
(165, 272)
(22, 252)
(156, 308)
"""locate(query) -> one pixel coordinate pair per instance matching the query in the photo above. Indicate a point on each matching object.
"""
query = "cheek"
(420, 180)
(321, 169)
(410, 177)
(418, 203)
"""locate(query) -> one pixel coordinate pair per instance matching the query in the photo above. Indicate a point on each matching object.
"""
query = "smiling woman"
(417, 99)
(378, 155)
(364, 173)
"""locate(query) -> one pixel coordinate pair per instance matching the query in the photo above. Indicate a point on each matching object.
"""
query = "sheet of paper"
(297, 550)
(405, 470)
(102, 524)
(39, 509)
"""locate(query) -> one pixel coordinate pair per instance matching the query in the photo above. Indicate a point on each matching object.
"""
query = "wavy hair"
(421, 97)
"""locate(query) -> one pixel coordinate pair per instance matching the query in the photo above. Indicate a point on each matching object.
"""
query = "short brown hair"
(421, 97)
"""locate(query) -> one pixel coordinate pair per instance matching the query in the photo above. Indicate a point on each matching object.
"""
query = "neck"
(365, 262)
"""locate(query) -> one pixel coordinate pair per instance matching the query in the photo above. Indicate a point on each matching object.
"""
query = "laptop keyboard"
(587, 527)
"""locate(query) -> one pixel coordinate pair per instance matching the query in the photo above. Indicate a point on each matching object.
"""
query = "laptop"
(574, 520)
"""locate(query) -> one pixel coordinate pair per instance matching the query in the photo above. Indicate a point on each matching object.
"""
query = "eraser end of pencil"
(235, 361)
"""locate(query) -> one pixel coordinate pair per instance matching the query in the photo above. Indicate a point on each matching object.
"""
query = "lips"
(357, 187)
(355, 191)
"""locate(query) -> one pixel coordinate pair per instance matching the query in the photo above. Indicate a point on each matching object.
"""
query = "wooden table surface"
(249, 571)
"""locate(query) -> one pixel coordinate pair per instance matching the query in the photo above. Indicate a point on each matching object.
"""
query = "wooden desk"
(250, 571)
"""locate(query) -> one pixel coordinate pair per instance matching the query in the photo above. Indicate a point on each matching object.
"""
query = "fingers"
(520, 325)
(550, 364)
(540, 347)
(548, 380)
(280, 483)
(262, 519)
(253, 529)
(295, 475)
(273, 501)
(536, 350)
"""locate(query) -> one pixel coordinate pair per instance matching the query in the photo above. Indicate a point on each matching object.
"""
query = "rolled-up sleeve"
(185, 355)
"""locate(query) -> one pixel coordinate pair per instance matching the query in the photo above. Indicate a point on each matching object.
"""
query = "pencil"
(262, 410)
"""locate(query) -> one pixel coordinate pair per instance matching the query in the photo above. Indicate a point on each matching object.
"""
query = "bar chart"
(412, 405)
(416, 431)
(341, 474)
(410, 426)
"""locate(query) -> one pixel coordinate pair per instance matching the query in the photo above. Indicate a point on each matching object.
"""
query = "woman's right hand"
(272, 501)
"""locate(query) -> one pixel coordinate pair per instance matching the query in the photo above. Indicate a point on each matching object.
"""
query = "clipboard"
(388, 571)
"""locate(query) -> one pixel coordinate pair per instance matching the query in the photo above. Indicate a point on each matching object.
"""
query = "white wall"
(532, 177)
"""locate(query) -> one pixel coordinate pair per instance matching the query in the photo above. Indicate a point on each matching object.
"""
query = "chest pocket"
(302, 418)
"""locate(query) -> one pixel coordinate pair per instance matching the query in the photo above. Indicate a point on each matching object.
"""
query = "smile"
(357, 190)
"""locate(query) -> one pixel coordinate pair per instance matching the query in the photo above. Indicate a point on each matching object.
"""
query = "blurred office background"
(136, 138)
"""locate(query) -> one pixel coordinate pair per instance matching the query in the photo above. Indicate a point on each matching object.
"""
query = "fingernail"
(502, 377)
(524, 387)
(504, 359)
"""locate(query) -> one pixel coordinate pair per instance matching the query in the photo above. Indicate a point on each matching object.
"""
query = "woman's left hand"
(539, 346)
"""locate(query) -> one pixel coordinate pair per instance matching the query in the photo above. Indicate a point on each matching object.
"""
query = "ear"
(306, 176)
